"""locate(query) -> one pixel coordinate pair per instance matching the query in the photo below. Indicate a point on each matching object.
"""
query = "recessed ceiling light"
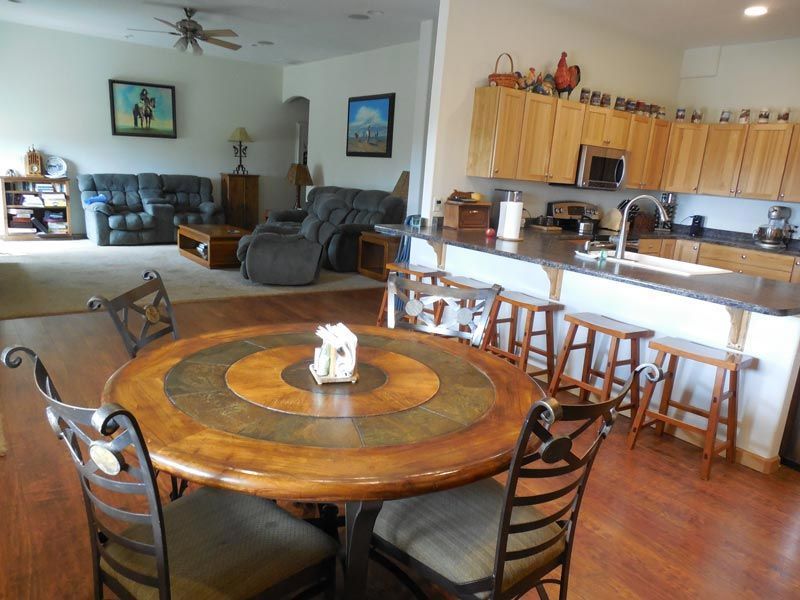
(265, 43)
(374, 13)
(15, 1)
(128, 36)
(358, 17)
(755, 11)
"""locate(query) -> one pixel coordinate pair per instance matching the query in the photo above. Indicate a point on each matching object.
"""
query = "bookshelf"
(35, 200)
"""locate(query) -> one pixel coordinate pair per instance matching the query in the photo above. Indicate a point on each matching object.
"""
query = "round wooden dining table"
(239, 409)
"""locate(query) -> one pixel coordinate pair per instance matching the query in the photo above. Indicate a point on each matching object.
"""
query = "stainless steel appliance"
(575, 216)
(601, 168)
(777, 232)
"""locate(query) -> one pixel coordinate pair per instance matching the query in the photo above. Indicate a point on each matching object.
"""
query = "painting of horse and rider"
(142, 109)
(370, 124)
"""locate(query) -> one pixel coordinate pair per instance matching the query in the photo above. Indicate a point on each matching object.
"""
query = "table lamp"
(401, 187)
(240, 135)
(299, 176)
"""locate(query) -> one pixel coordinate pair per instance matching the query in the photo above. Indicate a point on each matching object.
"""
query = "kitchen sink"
(652, 263)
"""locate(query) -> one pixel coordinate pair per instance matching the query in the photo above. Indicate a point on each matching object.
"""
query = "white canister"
(510, 222)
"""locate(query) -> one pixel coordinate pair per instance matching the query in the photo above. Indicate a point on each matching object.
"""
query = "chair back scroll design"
(158, 318)
(115, 471)
(560, 461)
(464, 312)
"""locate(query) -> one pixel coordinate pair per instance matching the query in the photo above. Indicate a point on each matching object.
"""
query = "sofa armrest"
(291, 216)
(156, 200)
(276, 259)
(160, 211)
(354, 228)
(208, 208)
(100, 207)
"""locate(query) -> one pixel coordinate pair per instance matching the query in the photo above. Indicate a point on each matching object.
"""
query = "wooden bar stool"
(618, 331)
(727, 363)
(415, 272)
(517, 351)
(462, 283)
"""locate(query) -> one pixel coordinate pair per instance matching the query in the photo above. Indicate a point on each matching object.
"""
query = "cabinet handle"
(744, 256)
(497, 170)
(733, 191)
(740, 271)
(783, 195)
(738, 192)
(473, 212)
(694, 189)
(694, 247)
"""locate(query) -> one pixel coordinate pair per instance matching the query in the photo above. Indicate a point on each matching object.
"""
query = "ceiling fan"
(190, 31)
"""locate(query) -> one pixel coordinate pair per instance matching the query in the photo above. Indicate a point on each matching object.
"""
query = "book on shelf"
(50, 215)
(22, 229)
(53, 198)
(28, 200)
(41, 228)
(43, 187)
(22, 212)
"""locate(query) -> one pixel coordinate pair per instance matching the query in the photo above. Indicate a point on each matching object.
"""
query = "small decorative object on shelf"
(619, 103)
(586, 93)
(605, 100)
(680, 115)
(595, 100)
(240, 135)
(763, 115)
(509, 79)
(744, 116)
(33, 162)
(335, 360)
(783, 115)
(545, 85)
(697, 116)
(630, 105)
(725, 116)
(526, 82)
(567, 78)
(55, 166)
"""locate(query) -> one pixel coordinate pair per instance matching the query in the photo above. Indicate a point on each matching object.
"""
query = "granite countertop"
(721, 237)
(557, 250)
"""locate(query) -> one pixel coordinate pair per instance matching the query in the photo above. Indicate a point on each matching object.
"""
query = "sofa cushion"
(121, 190)
(186, 191)
(189, 218)
(131, 221)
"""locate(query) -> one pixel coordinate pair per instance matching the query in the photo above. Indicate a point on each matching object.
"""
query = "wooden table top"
(214, 231)
(239, 409)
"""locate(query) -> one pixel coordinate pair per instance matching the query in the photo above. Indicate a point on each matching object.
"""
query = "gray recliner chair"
(145, 208)
(285, 252)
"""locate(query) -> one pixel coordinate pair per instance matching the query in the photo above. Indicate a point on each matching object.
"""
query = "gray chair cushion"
(131, 221)
(455, 532)
(225, 545)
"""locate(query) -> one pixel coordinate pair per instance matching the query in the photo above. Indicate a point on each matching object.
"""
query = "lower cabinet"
(738, 260)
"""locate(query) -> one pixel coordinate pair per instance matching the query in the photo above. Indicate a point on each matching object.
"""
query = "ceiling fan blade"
(153, 31)
(182, 44)
(196, 49)
(219, 33)
(222, 43)
(167, 23)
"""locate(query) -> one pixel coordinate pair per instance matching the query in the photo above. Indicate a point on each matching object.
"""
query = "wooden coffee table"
(220, 242)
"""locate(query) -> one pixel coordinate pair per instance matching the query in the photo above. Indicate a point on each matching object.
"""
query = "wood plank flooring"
(649, 527)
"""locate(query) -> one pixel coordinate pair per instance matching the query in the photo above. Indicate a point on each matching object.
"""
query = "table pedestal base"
(360, 518)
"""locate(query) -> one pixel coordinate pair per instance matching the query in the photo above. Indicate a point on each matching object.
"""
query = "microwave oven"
(601, 168)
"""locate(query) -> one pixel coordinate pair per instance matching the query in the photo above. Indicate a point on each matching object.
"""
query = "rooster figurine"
(567, 78)
(525, 82)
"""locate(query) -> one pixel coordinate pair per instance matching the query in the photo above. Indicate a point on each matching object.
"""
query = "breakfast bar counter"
(755, 315)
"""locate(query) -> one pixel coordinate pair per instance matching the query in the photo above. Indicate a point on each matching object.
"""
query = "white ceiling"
(302, 30)
(687, 23)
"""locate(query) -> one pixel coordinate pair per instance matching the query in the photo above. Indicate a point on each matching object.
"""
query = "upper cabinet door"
(495, 134)
(765, 155)
(790, 189)
(594, 126)
(656, 154)
(638, 140)
(722, 159)
(566, 141)
(615, 134)
(687, 142)
(537, 137)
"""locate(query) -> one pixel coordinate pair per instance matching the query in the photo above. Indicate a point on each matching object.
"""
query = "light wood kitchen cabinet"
(687, 143)
(765, 154)
(650, 246)
(722, 159)
(795, 276)
(667, 248)
(496, 130)
(605, 127)
(537, 137)
(686, 250)
(647, 149)
(790, 188)
(566, 144)
(749, 262)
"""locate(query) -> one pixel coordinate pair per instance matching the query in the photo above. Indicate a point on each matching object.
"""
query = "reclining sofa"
(292, 245)
(145, 208)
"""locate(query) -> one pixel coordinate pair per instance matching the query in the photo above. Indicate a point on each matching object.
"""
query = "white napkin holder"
(335, 360)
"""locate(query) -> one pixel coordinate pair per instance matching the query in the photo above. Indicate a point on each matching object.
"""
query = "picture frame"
(141, 109)
(370, 125)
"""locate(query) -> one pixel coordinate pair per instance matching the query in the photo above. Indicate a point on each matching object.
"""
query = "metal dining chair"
(488, 540)
(207, 544)
(150, 302)
(459, 313)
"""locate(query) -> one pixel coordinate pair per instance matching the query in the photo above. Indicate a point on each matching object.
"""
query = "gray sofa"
(145, 208)
(292, 246)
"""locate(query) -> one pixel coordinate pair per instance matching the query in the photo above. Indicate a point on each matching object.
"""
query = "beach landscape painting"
(370, 122)
(142, 109)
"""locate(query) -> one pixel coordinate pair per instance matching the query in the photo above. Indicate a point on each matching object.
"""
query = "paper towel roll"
(510, 221)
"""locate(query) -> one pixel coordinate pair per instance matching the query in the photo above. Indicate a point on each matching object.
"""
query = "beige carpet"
(55, 276)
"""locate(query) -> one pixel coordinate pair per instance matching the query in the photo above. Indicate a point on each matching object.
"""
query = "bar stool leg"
(512, 331)
(526, 341)
(549, 344)
(635, 385)
(733, 384)
(382, 310)
(666, 397)
(563, 355)
(641, 412)
(491, 326)
(586, 377)
(611, 368)
(713, 421)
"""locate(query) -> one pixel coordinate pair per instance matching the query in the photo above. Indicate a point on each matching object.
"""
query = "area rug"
(58, 276)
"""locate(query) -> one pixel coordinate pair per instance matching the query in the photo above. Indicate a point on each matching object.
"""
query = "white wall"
(328, 84)
(57, 98)
(763, 75)
(474, 32)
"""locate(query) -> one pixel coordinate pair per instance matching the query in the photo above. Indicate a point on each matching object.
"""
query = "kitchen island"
(751, 314)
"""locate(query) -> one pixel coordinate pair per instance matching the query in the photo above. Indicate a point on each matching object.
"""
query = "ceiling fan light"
(182, 44)
(196, 49)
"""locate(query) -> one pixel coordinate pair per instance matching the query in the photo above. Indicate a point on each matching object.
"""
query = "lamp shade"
(299, 175)
(401, 187)
(240, 135)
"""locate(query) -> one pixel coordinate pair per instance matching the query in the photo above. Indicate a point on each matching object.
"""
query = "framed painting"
(370, 123)
(142, 109)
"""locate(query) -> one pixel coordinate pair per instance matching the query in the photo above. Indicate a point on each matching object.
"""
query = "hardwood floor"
(649, 527)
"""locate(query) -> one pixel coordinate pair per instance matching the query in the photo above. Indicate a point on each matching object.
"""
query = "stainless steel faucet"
(623, 227)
